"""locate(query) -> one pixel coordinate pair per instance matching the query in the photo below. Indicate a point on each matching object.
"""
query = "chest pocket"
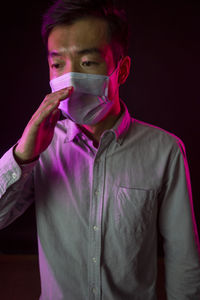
(135, 209)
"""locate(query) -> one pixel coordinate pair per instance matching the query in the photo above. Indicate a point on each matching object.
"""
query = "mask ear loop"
(117, 67)
(105, 98)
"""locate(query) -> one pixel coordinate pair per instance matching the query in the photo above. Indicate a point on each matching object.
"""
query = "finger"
(70, 91)
(43, 114)
(60, 95)
(53, 100)
(56, 96)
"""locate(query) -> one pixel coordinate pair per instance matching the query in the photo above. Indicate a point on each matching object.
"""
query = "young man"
(101, 181)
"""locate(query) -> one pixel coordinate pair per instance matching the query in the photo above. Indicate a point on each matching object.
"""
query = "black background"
(163, 87)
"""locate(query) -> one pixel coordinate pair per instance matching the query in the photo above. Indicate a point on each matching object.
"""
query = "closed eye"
(89, 63)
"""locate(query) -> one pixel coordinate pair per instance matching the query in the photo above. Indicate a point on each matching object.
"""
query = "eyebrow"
(89, 51)
(79, 52)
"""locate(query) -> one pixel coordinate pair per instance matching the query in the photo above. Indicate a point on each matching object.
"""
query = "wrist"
(22, 159)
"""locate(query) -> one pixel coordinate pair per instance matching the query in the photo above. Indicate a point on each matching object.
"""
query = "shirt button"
(97, 192)
(14, 175)
(95, 228)
(94, 259)
(94, 291)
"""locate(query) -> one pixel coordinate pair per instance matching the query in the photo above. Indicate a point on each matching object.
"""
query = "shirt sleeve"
(16, 188)
(178, 228)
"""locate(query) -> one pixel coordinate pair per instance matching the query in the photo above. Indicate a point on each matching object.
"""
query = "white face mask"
(89, 102)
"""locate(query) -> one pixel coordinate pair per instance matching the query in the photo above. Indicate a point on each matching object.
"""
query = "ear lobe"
(124, 69)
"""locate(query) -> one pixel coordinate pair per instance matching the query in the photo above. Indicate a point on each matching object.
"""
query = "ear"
(124, 69)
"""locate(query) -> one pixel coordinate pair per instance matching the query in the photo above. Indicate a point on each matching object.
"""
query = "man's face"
(81, 47)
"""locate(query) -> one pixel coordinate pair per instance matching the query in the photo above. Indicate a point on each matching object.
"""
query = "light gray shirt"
(99, 210)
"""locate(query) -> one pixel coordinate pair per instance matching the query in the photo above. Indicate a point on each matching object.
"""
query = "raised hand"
(39, 131)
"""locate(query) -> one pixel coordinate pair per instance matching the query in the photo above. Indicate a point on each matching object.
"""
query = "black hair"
(69, 11)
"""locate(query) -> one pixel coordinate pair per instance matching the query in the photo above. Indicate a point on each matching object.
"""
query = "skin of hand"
(39, 131)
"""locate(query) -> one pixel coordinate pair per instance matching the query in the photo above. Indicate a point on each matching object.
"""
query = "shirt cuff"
(11, 172)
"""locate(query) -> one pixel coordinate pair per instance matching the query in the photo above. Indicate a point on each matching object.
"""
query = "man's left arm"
(178, 227)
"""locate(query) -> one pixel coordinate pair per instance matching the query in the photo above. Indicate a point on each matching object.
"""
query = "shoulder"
(154, 136)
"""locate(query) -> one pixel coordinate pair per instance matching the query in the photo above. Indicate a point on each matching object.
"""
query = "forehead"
(84, 33)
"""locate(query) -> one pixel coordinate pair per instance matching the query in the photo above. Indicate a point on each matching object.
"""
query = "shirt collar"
(71, 130)
(122, 125)
(119, 129)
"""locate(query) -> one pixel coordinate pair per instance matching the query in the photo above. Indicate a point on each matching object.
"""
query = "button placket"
(95, 233)
(95, 223)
